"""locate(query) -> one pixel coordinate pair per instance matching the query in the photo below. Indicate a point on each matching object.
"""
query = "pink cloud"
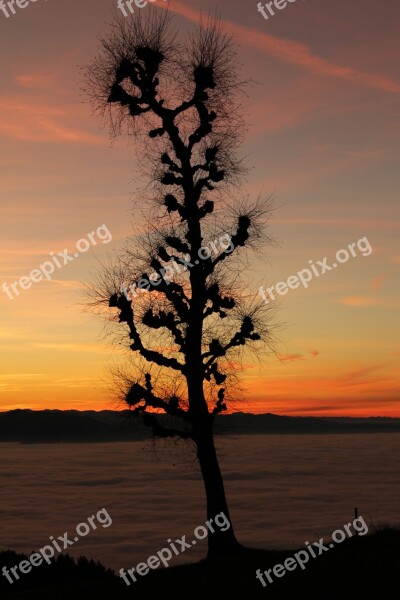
(31, 121)
(295, 53)
(376, 283)
(34, 80)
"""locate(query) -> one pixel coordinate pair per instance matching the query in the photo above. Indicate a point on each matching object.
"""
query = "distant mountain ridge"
(52, 426)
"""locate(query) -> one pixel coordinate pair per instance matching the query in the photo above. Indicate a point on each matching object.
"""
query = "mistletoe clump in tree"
(179, 101)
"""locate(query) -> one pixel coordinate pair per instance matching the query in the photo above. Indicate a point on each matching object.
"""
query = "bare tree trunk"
(220, 543)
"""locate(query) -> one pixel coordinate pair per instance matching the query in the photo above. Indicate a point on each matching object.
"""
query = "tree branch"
(220, 404)
(238, 239)
(126, 316)
(216, 350)
(160, 431)
(138, 393)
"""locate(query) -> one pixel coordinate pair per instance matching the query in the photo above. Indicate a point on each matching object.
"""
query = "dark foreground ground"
(360, 568)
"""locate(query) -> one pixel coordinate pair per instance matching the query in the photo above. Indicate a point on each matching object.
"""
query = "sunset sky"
(323, 138)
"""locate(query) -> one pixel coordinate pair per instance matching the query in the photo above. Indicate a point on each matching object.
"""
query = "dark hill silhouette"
(364, 568)
(269, 423)
(51, 426)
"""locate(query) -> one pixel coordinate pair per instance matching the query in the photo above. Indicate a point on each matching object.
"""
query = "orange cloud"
(357, 375)
(360, 301)
(291, 357)
(296, 357)
(363, 392)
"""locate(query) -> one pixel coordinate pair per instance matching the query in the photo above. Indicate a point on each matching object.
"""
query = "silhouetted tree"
(180, 102)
